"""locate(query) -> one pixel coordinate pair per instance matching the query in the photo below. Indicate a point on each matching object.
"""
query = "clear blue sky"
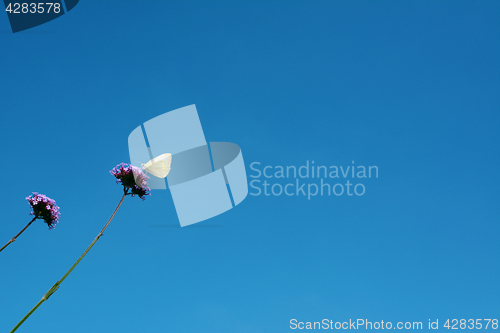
(409, 86)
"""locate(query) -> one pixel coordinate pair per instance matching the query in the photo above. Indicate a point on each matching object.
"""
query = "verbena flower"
(134, 182)
(132, 177)
(44, 208)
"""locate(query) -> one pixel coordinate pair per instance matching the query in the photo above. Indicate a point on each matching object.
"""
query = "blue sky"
(411, 87)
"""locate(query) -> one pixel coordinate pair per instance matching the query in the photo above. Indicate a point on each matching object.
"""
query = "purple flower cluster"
(44, 208)
(132, 177)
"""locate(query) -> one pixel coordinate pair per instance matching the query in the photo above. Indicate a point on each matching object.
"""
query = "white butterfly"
(159, 166)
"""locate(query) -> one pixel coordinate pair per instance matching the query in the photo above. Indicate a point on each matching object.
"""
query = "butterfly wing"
(147, 165)
(158, 169)
(159, 166)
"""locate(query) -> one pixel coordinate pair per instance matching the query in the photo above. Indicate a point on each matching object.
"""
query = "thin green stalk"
(20, 232)
(56, 285)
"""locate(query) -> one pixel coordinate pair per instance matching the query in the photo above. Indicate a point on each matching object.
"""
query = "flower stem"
(20, 232)
(56, 285)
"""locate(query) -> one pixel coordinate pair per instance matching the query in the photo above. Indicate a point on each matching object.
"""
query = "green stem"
(20, 232)
(56, 285)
